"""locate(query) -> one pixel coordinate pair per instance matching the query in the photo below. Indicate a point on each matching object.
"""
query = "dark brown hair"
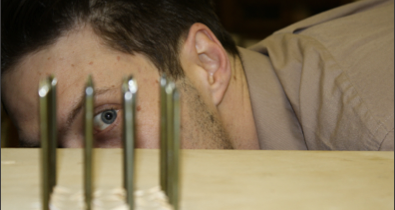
(151, 27)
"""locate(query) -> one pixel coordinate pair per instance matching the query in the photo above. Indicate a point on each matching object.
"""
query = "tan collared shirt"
(326, 83)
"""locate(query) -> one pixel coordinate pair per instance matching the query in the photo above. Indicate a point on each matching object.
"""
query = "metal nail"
(52, 129)
(129, 90)
(163, 134)
(176, 150)
(88, 150)
(173, 144)
(43, 92)
(170, 135)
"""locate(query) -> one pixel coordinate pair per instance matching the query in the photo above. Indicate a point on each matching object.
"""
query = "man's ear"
(208, 61)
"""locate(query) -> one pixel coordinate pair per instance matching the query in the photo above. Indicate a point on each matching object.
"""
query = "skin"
(213, 88)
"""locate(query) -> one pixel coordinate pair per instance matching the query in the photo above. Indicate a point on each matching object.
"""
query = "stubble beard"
(201, 129)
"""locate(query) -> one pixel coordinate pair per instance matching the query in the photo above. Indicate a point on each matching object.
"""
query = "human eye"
(104, 119)
(107, 124)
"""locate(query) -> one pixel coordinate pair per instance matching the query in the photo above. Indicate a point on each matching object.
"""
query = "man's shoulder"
(359, 11)
(336, 70)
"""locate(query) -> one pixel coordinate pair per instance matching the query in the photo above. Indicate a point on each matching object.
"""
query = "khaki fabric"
(326, 83)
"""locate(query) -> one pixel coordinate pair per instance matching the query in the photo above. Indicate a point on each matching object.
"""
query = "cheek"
(72, 140)
(147, 128)
(148, 117)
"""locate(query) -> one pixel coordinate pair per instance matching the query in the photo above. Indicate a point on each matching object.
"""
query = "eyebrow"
(78, 106)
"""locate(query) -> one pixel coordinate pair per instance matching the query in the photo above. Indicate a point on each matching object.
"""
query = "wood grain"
(223, 179)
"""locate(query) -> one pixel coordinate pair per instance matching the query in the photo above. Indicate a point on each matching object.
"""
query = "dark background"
(252, 20)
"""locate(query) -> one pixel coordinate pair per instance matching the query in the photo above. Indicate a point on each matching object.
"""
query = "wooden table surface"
(223, 179)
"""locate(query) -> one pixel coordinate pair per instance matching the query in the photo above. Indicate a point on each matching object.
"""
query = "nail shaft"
(163, 134)
(52, 129)
(129, 89)
(88, 150)
(43, 92)
(176, 150)
(170, 137)
(173, 142)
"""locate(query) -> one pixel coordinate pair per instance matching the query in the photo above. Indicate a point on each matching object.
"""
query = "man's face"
(71, 59)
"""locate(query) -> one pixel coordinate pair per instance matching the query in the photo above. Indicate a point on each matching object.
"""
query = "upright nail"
(43, 92)
(163, 134)
(129, 90)
(88, 149)
(52, 128)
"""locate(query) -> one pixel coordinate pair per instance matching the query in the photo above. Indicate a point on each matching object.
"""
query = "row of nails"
(169, 139)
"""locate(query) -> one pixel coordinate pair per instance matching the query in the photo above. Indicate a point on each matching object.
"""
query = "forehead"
(71, 59)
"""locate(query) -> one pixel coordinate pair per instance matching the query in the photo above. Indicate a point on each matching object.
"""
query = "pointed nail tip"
(89, 90)
(54, 81)
(132, 83)
(170, 87)
(163, 82)
(124, 85)
(43, 88)
(89, 81)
